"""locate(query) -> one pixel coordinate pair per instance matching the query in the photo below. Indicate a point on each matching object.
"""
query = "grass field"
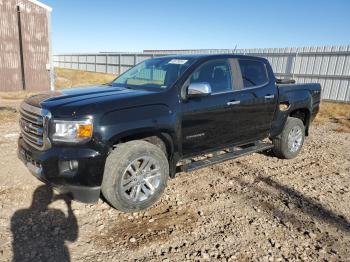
(66, 78)
(337, 113)
(7, 114)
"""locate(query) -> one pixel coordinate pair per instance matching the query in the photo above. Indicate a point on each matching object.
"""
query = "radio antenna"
(234, 50)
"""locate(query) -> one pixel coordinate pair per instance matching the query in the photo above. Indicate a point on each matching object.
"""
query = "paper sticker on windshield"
(178, 61)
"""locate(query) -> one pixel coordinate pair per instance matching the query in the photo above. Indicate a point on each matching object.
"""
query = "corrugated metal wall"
(10, 63)
(327, 65)
(102, 63)
(35, 45)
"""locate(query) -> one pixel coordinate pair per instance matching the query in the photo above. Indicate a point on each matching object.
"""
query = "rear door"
(255, 101)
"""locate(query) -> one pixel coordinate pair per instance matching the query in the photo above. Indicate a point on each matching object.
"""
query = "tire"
(288, 144)
(124, 185)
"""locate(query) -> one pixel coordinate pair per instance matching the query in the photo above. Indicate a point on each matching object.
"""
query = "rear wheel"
(289, 143)
(135, 176)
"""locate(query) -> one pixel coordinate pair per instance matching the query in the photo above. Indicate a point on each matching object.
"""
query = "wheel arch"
(161, 139)
(158, 137)
(304, 115)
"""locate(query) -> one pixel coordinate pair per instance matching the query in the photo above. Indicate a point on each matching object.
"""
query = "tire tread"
(280, 142)
(119, 157)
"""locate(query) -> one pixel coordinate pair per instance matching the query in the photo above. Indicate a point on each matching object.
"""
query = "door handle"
(269, 96)
(231, 103)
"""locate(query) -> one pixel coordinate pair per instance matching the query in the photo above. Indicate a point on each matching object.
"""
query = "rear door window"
(254, 73)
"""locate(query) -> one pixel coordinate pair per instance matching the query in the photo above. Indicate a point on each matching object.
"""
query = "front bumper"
(83, 185)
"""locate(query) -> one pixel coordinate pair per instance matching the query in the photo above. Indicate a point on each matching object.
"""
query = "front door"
(207, 121)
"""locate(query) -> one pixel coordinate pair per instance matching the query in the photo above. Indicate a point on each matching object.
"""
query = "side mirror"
(199, 89)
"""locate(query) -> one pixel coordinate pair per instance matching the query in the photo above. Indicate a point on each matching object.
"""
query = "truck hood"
(48, 100)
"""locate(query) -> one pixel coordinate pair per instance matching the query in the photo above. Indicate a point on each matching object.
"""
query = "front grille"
(34, 125)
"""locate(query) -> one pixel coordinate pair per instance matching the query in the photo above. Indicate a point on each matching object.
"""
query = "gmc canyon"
(123, 140)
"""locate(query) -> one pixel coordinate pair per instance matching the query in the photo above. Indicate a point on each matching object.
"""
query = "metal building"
(25, 45)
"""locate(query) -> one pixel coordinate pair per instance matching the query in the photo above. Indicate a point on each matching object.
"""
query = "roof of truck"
(204, 56)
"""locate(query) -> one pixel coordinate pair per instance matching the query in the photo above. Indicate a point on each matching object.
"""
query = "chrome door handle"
(269, 96)
(231, 103)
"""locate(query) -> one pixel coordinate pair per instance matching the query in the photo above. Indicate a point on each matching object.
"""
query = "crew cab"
(123, 140)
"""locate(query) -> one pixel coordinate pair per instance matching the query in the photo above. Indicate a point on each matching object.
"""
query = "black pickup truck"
(125, 139)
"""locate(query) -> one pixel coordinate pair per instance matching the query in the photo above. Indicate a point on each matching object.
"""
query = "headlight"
(72, 131)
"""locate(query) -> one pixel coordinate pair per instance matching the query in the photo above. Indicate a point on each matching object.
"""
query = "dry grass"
(20, 95)
(336, 113)
(67, 78)
(8, 114)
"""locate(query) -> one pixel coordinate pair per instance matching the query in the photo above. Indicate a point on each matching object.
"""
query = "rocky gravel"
(255, 208)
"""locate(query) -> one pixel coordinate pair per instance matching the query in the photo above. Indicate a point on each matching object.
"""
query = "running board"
(230, 153)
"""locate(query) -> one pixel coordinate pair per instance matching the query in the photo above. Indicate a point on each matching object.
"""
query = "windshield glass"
(154, 73)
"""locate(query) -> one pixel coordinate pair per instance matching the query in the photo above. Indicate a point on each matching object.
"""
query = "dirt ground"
(255, 208)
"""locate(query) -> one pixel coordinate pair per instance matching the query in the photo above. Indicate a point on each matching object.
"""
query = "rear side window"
(254, 73)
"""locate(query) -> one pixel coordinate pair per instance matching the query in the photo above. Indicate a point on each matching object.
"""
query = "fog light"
(68, 168)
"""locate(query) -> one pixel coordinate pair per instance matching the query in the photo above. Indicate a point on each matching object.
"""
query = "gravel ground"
(255, 208)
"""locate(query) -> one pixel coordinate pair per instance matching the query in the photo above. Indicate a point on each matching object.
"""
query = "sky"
(134, 25)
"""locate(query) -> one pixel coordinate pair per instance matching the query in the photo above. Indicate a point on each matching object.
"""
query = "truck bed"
(290, 91)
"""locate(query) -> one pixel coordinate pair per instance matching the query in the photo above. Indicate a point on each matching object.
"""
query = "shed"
(25, 46)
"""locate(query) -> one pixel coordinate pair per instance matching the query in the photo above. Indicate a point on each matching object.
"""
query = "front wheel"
(289, 143)
(135, 176)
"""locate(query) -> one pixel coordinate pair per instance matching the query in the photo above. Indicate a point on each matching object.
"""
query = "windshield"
(154, 73)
